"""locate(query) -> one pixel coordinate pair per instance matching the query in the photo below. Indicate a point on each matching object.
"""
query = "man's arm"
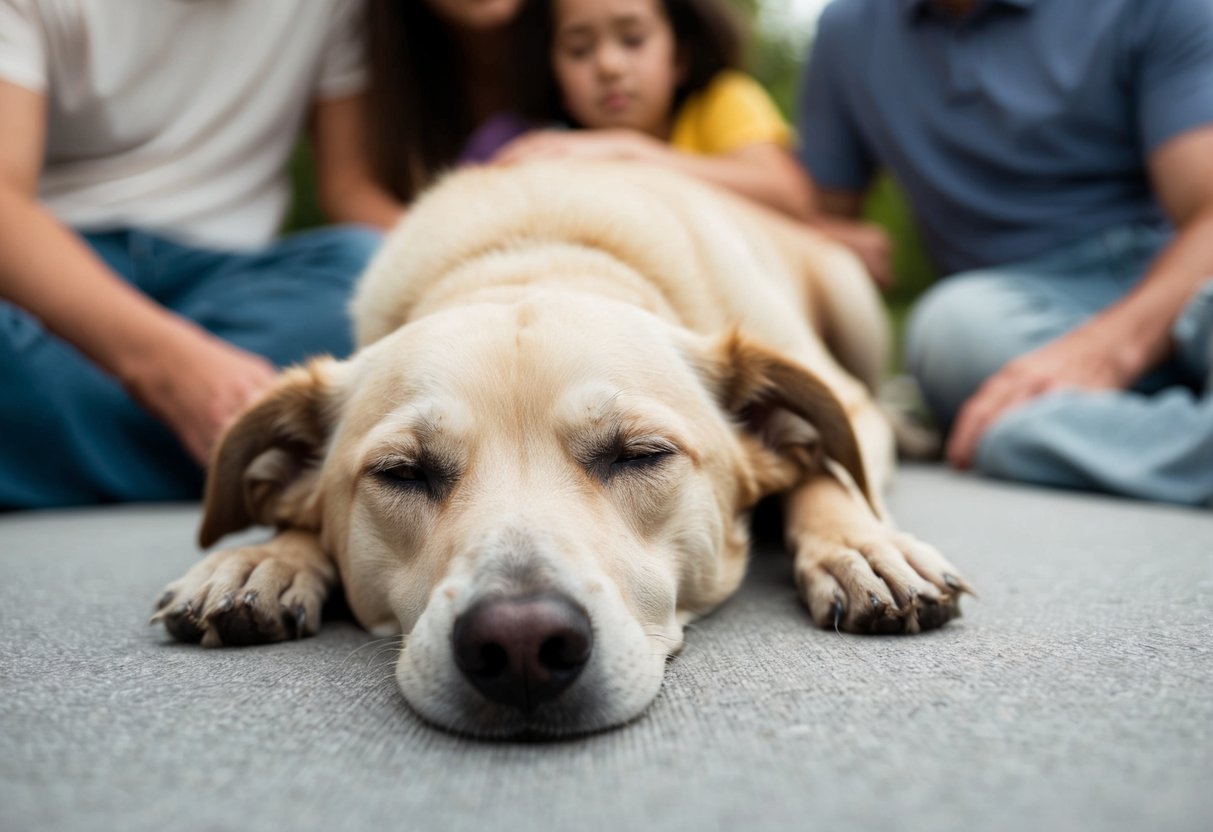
(834, 149)
(193, 381)
(1116, 347)
(348, 190)
(837, 213)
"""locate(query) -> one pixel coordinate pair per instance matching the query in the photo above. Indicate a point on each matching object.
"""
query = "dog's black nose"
(522, 652)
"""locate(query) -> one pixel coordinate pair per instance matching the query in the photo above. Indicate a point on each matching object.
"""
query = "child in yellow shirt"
(655, 81)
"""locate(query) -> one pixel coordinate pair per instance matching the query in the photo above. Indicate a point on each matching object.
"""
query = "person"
(1058, 156)
(144, 299)
(439, 70)
(648, 80)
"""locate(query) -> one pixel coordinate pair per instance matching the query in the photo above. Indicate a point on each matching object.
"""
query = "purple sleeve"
(491, 136)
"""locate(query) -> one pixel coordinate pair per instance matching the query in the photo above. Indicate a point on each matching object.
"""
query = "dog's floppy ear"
(791, 416)
(265, 467)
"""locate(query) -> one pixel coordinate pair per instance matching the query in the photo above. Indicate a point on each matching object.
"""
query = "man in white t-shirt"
(144, 299)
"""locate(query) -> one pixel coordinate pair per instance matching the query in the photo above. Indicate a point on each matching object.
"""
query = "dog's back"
(715, 260)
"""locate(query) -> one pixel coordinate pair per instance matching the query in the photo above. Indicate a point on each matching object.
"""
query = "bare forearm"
(364, 203)
(766, 175)
(48, 271)
(349, 191)
(1137, 328)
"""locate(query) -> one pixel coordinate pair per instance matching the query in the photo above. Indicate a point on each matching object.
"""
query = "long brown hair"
(419, 114)
(708, 35)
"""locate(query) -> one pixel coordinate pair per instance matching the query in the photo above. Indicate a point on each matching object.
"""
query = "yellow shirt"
(732, 112)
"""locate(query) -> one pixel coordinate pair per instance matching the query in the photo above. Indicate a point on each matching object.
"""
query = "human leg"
(1193, 337)
(969, 325)
(1152, 446)
(72, 435)
(287, 302)
(69, 433)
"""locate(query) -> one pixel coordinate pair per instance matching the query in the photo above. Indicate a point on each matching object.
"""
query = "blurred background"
(782, 34)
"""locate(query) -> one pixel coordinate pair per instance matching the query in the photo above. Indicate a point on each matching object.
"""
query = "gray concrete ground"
(1077, 693)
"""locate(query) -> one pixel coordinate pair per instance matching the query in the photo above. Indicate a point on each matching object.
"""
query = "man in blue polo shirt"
(1058, 157)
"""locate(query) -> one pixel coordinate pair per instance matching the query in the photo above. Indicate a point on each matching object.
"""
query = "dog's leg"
(252, 594)
(855, 572)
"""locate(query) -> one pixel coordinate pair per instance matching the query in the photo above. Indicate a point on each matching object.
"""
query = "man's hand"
(197, 385)
(1085, 358)
(579, 144)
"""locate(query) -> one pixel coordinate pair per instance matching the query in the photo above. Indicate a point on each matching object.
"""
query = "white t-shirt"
(178, 116)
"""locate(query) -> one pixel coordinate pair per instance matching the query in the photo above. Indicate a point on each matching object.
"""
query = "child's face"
(616, 63)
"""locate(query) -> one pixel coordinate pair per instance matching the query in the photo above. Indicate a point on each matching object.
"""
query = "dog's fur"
(572, 379)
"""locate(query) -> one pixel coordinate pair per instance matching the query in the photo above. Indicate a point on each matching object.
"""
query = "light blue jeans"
(70, 434)
(1154, 441)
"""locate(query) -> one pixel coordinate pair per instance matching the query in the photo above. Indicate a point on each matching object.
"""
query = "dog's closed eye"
(641, 456)
(406, 475)
(425, 475)
(626, 457)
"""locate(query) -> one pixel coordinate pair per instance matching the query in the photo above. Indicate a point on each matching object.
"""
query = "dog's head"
(540, 494)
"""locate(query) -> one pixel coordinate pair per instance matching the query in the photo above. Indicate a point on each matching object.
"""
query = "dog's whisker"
(392, 651)
(376, 643)
(372, 643)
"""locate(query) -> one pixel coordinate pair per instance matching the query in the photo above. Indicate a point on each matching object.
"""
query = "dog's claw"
(180, 621)
(836, 610)
(300, 621)
(162, 609)
(958, 585)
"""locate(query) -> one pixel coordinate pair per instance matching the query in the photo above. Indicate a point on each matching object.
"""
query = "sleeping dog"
(574, 382)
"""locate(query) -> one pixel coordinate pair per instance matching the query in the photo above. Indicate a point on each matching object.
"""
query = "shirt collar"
(916, 8)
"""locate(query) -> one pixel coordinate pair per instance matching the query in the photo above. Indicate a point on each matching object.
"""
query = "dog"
(574, 382)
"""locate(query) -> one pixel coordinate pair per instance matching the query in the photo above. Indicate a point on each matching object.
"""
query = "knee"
(962, 331)
(948, 345)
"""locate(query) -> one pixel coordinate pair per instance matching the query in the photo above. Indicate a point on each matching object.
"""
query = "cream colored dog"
(574, 383)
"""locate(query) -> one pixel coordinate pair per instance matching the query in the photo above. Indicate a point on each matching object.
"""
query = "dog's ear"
(266, 466)
(794, 422)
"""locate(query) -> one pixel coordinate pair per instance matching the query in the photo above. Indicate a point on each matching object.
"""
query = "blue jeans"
(70, 434)
(1154, 441)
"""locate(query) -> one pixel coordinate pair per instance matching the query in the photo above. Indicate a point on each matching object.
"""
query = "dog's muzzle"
(522, 651)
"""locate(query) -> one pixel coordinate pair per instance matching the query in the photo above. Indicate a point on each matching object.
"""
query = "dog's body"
(573, 383)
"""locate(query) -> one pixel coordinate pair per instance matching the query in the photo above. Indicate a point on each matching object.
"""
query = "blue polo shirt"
(1022, 127)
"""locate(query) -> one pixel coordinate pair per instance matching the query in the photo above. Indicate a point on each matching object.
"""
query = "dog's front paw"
(876, 580)
(249, 595)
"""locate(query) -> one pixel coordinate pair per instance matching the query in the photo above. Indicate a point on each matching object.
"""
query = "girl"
(655, 81)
